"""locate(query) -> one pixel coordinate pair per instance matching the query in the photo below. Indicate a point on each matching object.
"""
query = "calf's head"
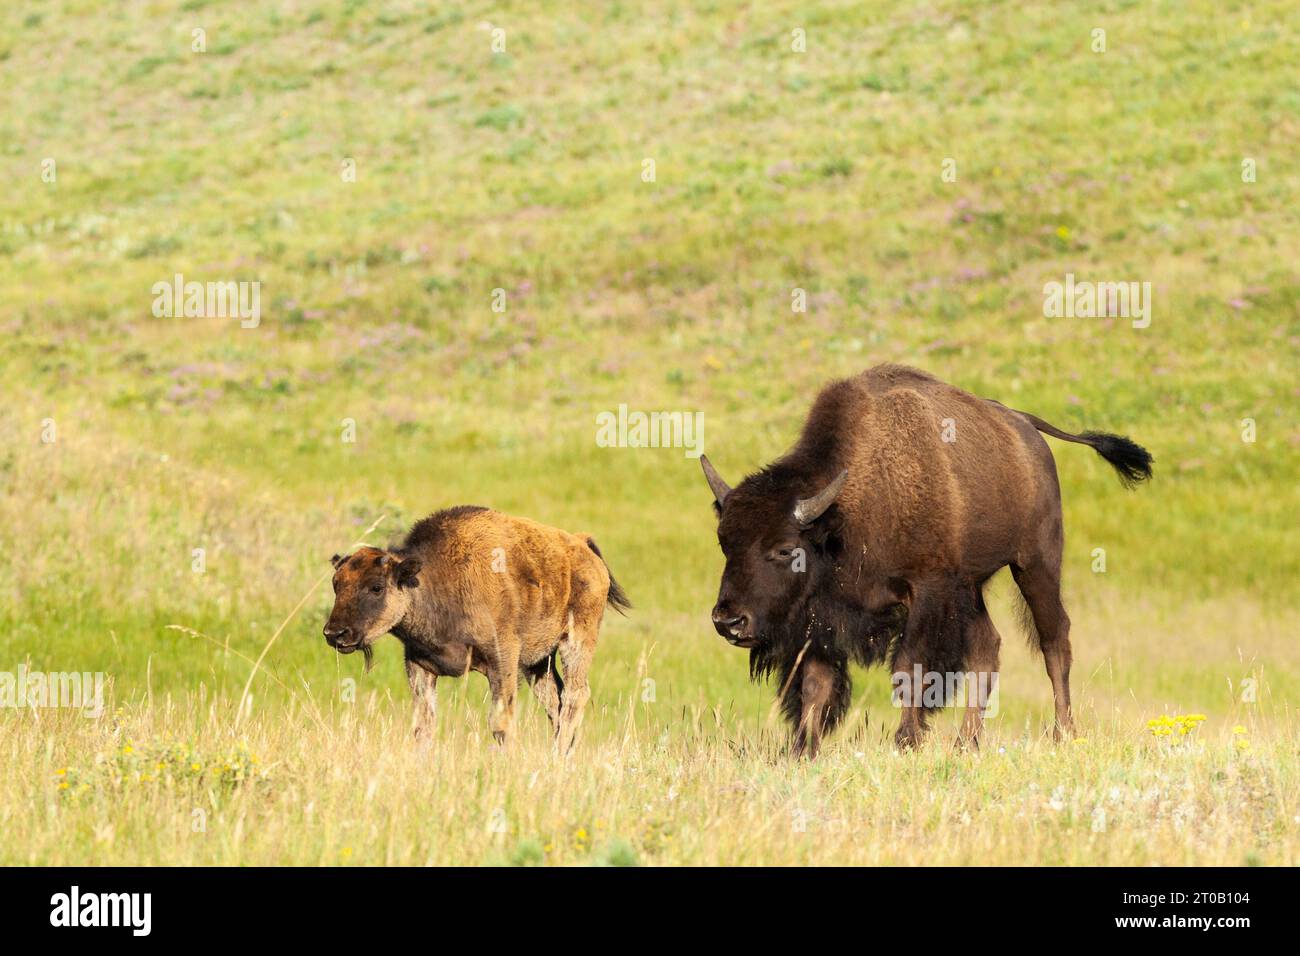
(372, 593)
(780, 543)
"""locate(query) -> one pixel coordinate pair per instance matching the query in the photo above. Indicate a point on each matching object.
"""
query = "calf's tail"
(617, 597)
(1129, 459)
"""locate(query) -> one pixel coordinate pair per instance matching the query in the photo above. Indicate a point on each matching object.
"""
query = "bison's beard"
(833, 631)
(368, 653)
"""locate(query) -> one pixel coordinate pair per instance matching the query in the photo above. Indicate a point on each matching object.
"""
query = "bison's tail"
(617, 597)
(1129, 459)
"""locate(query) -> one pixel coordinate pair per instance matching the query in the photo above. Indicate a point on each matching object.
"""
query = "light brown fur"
(478, 590)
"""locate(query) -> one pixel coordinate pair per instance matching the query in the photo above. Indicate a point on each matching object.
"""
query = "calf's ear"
(337, 560)
(407, 573)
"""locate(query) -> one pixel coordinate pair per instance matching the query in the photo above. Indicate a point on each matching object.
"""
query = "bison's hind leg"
(1040, 584)
(577, 646)
(544, 677)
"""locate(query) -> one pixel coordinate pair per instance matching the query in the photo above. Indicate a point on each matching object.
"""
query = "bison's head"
(372, 593)
(780, 541)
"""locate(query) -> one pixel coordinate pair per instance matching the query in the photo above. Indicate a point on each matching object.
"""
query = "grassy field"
(380, 170)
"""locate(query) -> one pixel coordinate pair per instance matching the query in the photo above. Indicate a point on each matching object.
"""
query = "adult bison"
(475, 589)
(873, 537)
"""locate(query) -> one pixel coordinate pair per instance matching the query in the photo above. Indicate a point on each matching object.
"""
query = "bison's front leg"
(823, 697)
(931, 621)
(503, 678)
(908, 693)
(982, 645)
(942, 619)
(424, 696)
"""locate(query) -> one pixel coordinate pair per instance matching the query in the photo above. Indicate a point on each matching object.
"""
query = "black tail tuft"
(1129, 459)
(617, 597)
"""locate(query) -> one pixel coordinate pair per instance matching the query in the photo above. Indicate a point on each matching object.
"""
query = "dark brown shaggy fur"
(907, 529)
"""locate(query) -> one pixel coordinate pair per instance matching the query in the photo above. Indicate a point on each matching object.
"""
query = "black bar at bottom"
(727, 905)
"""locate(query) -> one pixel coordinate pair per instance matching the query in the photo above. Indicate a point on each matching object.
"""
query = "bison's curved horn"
(719, 487)
(808, 510)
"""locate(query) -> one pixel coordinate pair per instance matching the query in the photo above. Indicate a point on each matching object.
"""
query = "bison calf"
(475, 590)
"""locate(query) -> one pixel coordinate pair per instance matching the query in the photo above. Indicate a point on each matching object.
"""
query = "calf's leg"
(544, 677)
(424, 696)
(576, 648)
(503, 679)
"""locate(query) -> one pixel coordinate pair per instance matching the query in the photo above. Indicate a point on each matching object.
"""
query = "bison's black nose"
(335, 636)
(729, 625)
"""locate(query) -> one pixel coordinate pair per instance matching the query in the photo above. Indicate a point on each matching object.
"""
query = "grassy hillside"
(381, 171)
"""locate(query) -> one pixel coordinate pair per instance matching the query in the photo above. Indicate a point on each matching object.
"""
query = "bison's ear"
(337, 560)
(407, 573)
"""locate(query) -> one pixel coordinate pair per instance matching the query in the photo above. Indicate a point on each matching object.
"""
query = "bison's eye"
(376, 589)
(782, 554)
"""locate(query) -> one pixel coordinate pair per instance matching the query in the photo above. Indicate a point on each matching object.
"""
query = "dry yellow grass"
(168, 783)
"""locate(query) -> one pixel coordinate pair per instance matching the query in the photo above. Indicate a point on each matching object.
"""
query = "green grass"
(522, 171)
